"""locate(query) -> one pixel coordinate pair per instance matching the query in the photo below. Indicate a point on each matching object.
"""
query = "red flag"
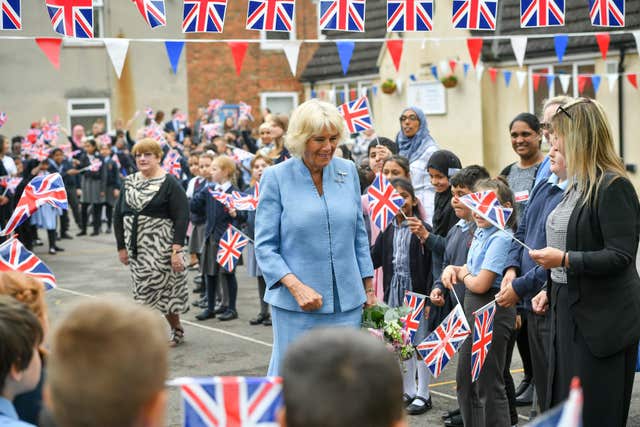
(633, 79)
(452, 65)
(51, 48)
(395, 50)
(582, 82)
(603, 43)
(536, 81)
(238, 50)
(475, 47)
(493, 73)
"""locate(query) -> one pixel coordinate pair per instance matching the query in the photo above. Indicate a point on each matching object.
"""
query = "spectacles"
(411, 117)
(140, 155)
(545, 126)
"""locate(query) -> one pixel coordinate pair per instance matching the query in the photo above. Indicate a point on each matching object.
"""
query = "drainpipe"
(621, 104)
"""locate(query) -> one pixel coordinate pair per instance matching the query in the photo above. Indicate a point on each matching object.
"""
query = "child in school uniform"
(484, 403)
(406, 266)
(218, 218)
(202, 172)
(113, 183)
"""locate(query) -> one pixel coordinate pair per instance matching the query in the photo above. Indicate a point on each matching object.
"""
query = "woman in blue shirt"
(311, 243)
(484, 402)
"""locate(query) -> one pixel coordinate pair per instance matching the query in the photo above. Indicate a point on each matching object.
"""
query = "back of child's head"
(468, 177)
(20, 334)
(505, 195)
(405, 184)
(108, 362)
(26, 290)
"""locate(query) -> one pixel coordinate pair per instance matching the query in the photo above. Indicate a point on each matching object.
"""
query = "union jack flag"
(214, 105)
(239, 155)
(200, 16)
(115, 159)
(154, 131)
(384, 201)
(566, 414)
(443, 343)
(152, 11)
(211, 130)
(541, 13)
(149, 113)
(225, 198)
(71, 18)
(245, 109)
(39, 151)
(270, 15)
(487, 205)
(342, 15)
(416, 303)
(475, 14)
(15, 257)
(246, 202)
(230, 248)
(10, 18)
(409, 15)
(231, 401)
(42, 189)
(357, 115)
(3, 116)
(94, 165)
(482, 337)
(10, 184)
(606, 13)
(171, 163)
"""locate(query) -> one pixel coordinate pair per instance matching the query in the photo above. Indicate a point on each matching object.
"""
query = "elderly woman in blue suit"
(311, 242)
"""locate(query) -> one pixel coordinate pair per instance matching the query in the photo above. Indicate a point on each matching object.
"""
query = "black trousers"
(95, 213)
(262, 286)
(607, 382)
(213, 287)
(522, 341)
(538, 332)
(509, 385)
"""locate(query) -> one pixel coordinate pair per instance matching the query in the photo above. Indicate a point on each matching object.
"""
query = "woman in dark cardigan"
(594, 294)
(150, 223)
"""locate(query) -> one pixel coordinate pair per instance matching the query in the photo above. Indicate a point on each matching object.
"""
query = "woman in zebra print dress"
(150, 224)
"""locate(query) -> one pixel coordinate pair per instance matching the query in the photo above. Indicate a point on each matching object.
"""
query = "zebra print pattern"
(154, 282)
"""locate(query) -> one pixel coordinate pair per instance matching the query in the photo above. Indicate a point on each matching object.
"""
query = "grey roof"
(576, 21)
(325, 63)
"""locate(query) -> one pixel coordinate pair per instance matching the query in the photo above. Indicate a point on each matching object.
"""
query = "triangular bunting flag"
(174, 50)
(603, 43)
(633, 79)
(536, 81)
(493, 73)
(582, 82)
(434, 71)
(117, 50)
(560, 42)
(521, 76)
(313, 94)
(475, 47)
(452, 65)
(479, 71)
(291, 51)
(612, 79)
(444, 67)
(595, 81)
(399, 83)
(507, 77)
(465, 69)
(395, 50)
(345, 50)
(51, 48)
(519, 46)
(550, 80)
(238, 50)
(565, 79)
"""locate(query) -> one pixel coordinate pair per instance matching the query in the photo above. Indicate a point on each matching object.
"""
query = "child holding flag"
(483, 402)
(113, 182)
(406, 266)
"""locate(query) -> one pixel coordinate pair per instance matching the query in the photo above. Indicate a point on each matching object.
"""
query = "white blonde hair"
(312, 118)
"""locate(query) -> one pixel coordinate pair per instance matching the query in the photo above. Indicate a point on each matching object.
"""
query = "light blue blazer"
(300, 232)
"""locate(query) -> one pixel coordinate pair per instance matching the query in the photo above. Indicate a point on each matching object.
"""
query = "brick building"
(266, 80)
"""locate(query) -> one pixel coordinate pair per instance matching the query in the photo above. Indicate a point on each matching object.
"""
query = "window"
(537, 97)
(85, 111)
(269, 40)
(98, 28)
(279, 102)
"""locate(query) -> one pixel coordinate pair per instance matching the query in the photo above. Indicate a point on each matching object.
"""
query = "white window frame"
(550, 68)
(290, 95)
(98, 12)
(277, 44)
(106, 110)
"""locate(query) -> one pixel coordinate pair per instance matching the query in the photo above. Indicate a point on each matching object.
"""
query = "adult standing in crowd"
(592, 241)
(311, 243)
(150, 223)
(416, 144)
(93, 186)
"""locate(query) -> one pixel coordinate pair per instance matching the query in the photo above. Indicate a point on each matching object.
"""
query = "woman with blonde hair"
(592, 241)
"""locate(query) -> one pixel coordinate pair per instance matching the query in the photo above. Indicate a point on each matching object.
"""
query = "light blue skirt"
(290, 325)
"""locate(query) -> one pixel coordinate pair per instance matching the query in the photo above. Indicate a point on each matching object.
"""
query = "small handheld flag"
(230, 248)
(246, 202)
(10, 184)
(416, 303)
(226, 199)
(384, 201)
(3, 117)
(567, 414)
(357, 115)
(15, 257)
(482, 337)
(443, 343)
(171, 163)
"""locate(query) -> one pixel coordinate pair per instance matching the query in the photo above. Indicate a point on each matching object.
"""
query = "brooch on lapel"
(341, 176)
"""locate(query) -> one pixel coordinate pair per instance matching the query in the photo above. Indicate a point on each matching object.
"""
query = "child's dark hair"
(504, 193)
(469, 176)
(54, 152)
(401, 161)
(408, 187)
(20, 333)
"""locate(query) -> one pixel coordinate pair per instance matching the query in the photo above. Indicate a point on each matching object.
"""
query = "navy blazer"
(315, 237)
(218, 219)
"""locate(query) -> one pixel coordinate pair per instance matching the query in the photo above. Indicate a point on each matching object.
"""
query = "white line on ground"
(186, 322)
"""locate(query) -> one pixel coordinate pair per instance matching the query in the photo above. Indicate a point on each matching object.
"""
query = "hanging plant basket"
(449, 81)
(388, 86)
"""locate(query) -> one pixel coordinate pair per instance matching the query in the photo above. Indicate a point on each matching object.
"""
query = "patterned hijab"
(412, 148)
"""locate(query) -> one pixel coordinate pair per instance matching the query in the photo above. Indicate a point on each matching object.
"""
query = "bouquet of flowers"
(387, 324)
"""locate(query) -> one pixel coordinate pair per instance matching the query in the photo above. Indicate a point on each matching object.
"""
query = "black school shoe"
(259, 319)
(419, 409)
(455, 421)
(228, 315)
(205, 315)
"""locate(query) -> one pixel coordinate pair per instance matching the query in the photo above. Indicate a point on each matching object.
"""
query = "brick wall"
(211, 70)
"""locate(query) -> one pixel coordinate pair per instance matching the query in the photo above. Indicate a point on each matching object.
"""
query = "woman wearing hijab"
(416, 144)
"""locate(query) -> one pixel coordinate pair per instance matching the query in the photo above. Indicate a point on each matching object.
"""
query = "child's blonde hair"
(226, 164)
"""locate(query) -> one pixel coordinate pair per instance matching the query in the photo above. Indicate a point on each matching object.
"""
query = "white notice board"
(429, 96)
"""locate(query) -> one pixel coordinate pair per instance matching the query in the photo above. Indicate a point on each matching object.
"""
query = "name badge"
(522, 196)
